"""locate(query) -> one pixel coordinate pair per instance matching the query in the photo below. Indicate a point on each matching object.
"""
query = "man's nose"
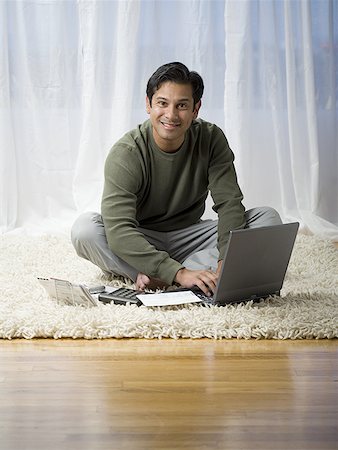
(171, 112)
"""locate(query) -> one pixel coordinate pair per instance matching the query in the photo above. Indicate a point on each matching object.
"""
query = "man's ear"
(196, 109)
(148, 107)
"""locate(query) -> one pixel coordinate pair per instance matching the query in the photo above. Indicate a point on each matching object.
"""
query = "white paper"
(169, 298)
(67, 293)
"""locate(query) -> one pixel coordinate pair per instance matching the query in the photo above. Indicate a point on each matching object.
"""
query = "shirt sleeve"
(123, 183)
(224, 189)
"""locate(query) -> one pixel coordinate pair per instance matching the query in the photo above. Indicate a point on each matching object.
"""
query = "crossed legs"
(195, 246)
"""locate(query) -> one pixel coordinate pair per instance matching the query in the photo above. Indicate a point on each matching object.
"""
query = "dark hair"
(177, 73)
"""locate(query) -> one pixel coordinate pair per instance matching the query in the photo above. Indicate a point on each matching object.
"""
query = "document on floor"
(169, 298)
(67, 293)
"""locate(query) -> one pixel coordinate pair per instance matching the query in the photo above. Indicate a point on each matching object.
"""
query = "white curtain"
(72, 81)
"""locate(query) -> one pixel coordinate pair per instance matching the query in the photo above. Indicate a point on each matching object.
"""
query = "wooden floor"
(185, 394)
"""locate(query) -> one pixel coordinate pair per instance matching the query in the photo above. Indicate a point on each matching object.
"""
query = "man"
(157, 178)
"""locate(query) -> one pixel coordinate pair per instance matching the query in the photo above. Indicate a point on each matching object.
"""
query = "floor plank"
(167, 394)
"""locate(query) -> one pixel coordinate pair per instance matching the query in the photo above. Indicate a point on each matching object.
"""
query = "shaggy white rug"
(308, 308)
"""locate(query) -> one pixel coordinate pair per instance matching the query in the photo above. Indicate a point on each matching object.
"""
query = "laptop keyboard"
(200, 294)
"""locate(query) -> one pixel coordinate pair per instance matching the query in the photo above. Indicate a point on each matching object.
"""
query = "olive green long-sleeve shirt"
(146, 187)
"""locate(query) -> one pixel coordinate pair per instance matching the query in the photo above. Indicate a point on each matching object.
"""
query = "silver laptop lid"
(255, 263)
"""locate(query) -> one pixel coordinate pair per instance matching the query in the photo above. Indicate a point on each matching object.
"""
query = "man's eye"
(162, 104)
(182, 106)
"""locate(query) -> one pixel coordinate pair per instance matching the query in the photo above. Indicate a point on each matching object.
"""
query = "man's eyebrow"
(178, 101)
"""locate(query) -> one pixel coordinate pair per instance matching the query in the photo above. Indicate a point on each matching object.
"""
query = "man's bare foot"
(144, 282)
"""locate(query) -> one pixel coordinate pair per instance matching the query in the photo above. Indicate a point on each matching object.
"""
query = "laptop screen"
(255, 262)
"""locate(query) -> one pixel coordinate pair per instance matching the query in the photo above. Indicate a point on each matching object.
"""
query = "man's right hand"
(204, 279)
(144, 282)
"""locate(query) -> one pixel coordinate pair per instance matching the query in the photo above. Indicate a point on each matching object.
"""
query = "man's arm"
(224, 189)
(123, 181)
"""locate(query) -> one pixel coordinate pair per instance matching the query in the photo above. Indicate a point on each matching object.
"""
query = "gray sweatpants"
(195, 247)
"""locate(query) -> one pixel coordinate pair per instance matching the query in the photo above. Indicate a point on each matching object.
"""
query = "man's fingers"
(142, 281)
(207, 282)
(204, 279)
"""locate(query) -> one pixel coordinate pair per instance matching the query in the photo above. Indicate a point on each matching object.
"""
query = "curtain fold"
(101, 115)
(277, 54)
(8, 184)
(73, 76)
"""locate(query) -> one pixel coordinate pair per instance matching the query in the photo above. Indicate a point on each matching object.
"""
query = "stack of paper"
(67, 293)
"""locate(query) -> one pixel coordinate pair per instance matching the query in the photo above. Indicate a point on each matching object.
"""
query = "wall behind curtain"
(73, 77)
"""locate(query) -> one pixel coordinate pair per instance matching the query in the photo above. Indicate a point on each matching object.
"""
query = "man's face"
(171, 113)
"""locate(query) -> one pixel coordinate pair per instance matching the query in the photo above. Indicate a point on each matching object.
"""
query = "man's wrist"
(178, 275)
(167, 270)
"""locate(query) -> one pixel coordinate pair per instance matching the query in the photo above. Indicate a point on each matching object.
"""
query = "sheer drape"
(281, 84)
(72, 81)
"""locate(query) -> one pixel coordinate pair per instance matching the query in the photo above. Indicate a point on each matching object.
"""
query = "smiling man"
(157, 179)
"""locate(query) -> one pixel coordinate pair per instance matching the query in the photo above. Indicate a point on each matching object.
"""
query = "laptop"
(254, 267)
